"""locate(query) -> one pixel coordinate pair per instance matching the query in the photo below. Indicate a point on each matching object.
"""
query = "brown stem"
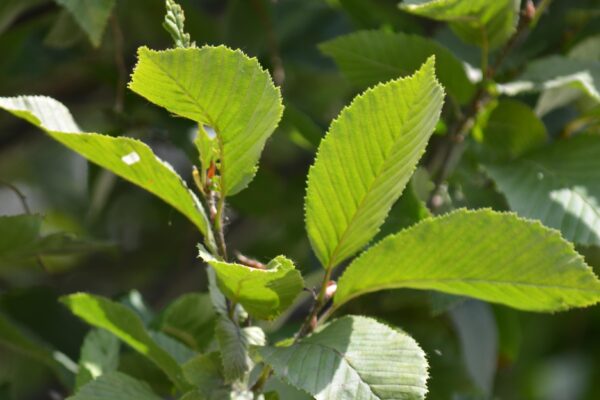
(310, 322)
(458, 132)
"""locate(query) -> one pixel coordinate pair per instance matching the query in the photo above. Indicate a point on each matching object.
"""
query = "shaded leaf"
(365, 161)
(204, 371)
(562, 79)
(370, 57)
(115, 386)
(559, 185)
(190, 319)
(220, 88)
(127, 326)
(234, 343)
(90, 15)
(99, 355)
(353, 358)
(179, 351)
(478, 335)
(488, 255)
(19, 340)
(17, 233)
(512, 129)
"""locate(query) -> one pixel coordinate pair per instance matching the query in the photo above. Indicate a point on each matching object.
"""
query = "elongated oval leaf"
(127, 326)
(559, 185)
(126, 157)
(221, 88)
(353, 358)
(365, 161)
(264, 293)
(115, 386)
(480, 22)
(370, 57)
(488, 255)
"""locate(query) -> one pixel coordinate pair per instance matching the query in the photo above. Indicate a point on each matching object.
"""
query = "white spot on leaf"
(131, 158)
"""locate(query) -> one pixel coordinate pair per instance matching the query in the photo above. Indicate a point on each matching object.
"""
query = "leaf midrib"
(384, 166)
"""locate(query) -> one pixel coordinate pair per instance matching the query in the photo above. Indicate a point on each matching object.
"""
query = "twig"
(19, 194)
(463, 125)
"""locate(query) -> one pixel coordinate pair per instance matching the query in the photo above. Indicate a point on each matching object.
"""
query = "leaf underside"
(353, 358)
(559, 185)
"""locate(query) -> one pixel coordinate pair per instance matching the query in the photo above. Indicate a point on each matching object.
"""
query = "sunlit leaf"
(221, 88)
(492, 256)
(365, 161)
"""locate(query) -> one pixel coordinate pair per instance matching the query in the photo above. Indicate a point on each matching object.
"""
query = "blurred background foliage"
(94, 232)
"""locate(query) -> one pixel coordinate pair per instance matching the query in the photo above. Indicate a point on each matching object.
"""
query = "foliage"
(460, 169)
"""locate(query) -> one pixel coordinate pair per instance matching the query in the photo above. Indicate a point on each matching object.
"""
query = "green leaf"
(562, 79)
(478, 336)
(17, 233)
(99, 355)
(559, 185)
(234, 343)
(370, 57)
(204, 372)
(18, 339)
(354, 358)
(492, 256)
(480, 22)
(191, 319)
(179, 351)
(10, 10)
(90, 15)
(365, 161)
(126, 157)
(264, 293)
(220, 88)
(20, 241)
(115, 386)
(513, 129)
(127, 326)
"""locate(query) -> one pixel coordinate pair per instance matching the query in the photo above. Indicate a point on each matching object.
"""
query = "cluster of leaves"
(365, 165)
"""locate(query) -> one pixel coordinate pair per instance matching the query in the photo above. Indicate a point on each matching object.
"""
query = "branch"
(457, 133)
